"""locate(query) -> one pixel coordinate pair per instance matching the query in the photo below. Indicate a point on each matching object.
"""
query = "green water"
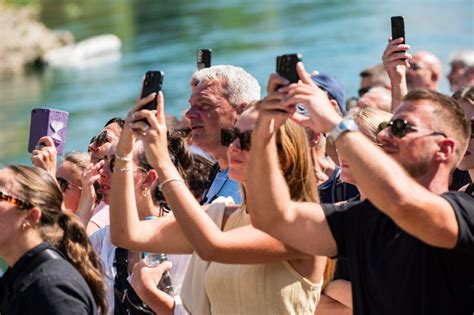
(340, 37)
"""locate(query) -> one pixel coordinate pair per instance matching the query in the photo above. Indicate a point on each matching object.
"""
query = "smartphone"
(152, 83)
(398, 27)
(204, 58)
(286, 66)
(48, 122)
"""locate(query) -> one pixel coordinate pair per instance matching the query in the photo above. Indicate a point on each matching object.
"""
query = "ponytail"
(75, 245)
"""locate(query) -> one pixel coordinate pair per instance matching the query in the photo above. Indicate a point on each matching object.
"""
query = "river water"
(341, 37)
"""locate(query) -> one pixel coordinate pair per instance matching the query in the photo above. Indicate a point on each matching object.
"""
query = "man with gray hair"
(219, 95)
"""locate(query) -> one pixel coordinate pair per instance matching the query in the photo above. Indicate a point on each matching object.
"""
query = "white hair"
(240, 87)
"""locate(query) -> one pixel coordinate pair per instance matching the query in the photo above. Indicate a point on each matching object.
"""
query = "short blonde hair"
(368, 120)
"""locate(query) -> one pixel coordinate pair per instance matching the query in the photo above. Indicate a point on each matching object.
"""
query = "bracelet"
(125, 169)
(169, 180)
(165, 192)
(123, 158)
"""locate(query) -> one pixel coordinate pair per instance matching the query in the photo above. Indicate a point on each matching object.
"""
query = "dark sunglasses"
(64, 184)
(229, 135)
(400, 127)
(100, 139)
(22, 205)
(111, 162)
(362, 91)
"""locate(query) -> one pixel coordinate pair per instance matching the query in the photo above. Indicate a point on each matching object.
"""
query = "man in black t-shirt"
(410, 245)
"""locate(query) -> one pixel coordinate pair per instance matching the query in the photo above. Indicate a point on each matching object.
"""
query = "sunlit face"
(467, 163)
(209, 112)
(10, 216)
(105, 179)
(416, 150)
(72, 192)
(113, 134)
(238, 158)
(419, 74)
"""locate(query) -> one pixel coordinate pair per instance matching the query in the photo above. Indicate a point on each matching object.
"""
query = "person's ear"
(151, 179)
(334, 104)
(32, 218)
(240, 108)
(446, 150)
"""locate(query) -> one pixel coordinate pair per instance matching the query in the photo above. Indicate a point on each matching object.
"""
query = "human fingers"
(275, 81)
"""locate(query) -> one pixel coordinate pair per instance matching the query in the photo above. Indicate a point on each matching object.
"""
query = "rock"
(25, 41)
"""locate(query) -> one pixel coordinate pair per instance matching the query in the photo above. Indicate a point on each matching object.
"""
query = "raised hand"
(396, 59)
(44, 155)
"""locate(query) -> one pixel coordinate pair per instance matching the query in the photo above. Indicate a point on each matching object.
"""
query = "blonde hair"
(368, 120)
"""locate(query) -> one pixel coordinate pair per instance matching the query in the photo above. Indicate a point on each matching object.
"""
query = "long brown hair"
(60, 227)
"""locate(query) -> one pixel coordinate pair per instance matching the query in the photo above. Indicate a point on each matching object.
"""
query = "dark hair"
(59, 227)
(193, 168)
(448, 116)
(119, 121)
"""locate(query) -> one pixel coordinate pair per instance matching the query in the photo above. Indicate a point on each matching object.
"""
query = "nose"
(191, 113)
(91, 147)
(384, 135)
(235, 145)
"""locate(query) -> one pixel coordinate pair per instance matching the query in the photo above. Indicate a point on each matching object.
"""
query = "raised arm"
(241, 245)
(126, 229)
(395, 60)
(269, 203)
(414, 208)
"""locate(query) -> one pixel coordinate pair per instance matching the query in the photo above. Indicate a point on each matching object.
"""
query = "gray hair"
(464, 57)
(240, 86)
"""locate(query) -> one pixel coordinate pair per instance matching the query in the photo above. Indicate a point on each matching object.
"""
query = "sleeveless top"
(193, 295)
(273, 288)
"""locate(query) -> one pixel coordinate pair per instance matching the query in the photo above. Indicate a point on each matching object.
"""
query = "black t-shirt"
(45, 286)
(394, 273)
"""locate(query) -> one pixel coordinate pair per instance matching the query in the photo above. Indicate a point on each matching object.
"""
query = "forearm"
(160, 302)
(399, 90)
(268, 196)
(123, 211)
(390, 188)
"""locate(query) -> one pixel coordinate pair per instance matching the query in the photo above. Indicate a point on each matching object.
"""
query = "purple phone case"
(48, 122)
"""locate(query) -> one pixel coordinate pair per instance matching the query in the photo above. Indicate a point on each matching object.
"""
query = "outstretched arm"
(126, 229)
(414, 208)
(269, 202)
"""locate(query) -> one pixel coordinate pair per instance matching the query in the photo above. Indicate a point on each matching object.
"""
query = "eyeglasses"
(362, 91)
(400, 127)
(64, 184)
(111, 162)
(229, 135)
(22, 205)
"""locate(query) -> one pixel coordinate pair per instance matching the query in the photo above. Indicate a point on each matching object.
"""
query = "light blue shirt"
(225, 187)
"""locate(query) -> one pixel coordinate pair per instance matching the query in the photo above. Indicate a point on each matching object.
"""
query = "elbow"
(210, 250)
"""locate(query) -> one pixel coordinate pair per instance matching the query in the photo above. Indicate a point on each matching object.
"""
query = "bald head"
(424, 72)
(377, 97)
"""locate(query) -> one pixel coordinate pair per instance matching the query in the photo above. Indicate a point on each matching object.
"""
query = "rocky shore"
(24, 41)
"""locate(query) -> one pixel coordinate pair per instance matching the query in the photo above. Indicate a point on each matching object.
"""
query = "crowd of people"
(357, 206)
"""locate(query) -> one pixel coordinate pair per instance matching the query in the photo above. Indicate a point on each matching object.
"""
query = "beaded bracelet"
(123, 158)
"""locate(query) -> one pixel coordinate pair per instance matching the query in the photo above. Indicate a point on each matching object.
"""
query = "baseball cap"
(333, 87)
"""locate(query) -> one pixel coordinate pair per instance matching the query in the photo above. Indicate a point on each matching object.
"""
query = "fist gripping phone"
(48, 122)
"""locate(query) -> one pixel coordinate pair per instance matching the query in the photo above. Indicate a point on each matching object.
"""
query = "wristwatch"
(347, 124)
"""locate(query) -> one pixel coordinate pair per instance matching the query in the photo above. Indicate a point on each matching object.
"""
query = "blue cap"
(333, 87)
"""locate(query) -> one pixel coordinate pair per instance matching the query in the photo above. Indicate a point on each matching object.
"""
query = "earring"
(145, 192)
(23, 226)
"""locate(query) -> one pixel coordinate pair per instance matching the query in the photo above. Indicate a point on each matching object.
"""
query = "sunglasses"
(111, 162)
(362, 91)
(22, 205)
(64, 184)
(229, 135)
(400, 127)
(100, 139)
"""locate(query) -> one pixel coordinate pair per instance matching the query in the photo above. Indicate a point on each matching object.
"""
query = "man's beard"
(417, 169)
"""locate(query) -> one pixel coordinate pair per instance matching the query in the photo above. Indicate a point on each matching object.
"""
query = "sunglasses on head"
(64, 184)
(229, 135)
(400, 127)
(100, 139)
(22, 205)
